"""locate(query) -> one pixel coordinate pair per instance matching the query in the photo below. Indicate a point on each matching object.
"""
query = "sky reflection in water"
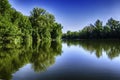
(79, 61)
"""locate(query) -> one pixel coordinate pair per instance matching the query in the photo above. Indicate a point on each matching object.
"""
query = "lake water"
(69, 60)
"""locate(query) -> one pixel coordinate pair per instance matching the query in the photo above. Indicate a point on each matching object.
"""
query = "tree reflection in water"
(40, 55)
(110, 47)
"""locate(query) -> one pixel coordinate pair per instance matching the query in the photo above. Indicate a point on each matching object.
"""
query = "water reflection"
(110, 47)
(40, 55)
(72, 64)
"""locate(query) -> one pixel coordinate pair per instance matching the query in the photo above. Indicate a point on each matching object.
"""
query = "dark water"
(69, 60)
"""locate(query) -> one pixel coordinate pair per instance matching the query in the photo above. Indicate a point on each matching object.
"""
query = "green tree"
(8, 31)
(114, 28)
(98, 29)
(4, 7)
(56, 32)
(43, 25)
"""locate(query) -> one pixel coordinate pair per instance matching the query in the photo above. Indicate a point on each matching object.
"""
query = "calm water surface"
(69, 60)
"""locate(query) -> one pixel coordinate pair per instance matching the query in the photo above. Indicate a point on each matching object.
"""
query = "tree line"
(17, 28)
(110, 30)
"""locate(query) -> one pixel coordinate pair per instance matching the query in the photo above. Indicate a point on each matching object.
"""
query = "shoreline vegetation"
(110, 30)
(17, 28)
(40, 25)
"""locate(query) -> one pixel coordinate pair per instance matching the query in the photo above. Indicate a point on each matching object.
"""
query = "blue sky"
(73, 14)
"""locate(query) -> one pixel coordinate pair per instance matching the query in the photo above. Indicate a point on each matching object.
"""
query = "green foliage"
(17, 28)
(56, 32)
(4, 7)
(43, 25)
(8, 31)
(97, 31)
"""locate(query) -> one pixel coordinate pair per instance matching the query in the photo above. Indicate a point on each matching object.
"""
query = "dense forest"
(18, 28)
(110, 30)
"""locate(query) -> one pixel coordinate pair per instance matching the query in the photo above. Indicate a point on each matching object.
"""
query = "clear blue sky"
(73, 14)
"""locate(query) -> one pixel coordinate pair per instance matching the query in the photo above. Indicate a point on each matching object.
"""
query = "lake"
(66, 60)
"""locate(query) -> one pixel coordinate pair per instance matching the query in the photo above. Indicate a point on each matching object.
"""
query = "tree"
(16, 27)
(8, 31)
(4, 7)
(43, 25)
(56, 32)
(98, 29)
(38, 22)
(114, 26)
(106, 32)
